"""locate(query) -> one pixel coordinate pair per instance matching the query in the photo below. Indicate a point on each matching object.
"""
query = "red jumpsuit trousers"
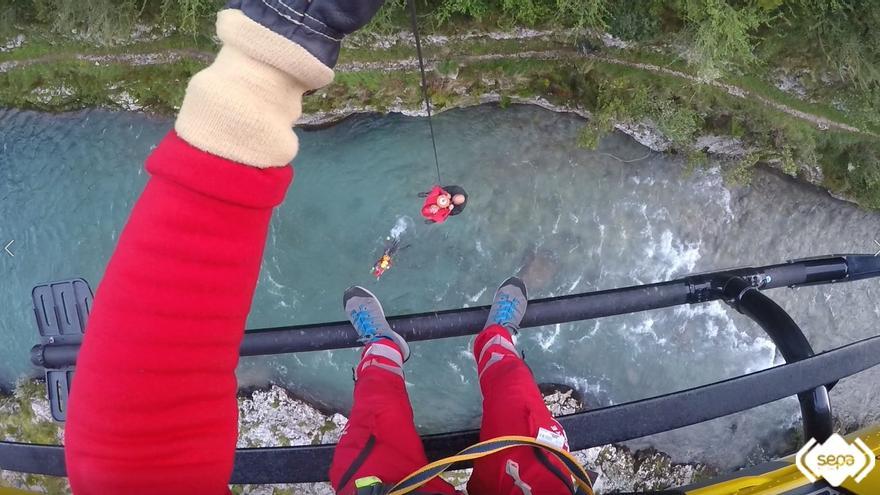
(381, 439)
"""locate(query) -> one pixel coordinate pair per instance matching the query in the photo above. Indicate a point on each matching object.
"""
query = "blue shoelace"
(506, 308)
(363, 323)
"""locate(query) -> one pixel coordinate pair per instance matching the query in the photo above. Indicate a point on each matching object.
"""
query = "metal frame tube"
(310, 463)
(792, 344)
(548, 311)
(617, 423)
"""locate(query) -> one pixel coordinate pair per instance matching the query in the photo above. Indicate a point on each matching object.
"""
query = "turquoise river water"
(566, 219)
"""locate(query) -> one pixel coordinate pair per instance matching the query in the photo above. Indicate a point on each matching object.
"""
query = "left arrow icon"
(8, 251)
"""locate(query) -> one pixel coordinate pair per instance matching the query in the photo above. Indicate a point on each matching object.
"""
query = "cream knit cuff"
(244, 105)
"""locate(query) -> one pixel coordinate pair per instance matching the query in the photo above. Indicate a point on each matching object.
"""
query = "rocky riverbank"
(272, 417)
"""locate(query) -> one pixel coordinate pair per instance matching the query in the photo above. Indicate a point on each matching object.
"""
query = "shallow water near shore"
(567, 220)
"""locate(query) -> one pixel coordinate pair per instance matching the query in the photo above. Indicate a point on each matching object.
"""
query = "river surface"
(566, 219)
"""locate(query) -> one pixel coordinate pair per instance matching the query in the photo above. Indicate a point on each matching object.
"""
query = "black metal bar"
(32, 458)
(548, 311)
(792, 344)
(308, 464)
(428, 326)
(658, 414)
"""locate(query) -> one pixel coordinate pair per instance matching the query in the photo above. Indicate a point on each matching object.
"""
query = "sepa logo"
(835, 460)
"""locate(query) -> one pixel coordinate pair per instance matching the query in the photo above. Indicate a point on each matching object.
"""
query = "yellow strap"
(487, 448)
(13, 491)
(366, 482)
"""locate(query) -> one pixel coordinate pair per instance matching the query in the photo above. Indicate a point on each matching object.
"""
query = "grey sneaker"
(509, 306)
(366, 315)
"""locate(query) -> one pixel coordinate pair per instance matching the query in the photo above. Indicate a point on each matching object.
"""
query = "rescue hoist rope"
(425, 96)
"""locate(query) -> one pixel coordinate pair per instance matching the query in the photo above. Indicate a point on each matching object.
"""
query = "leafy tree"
(96, 20)
(846, 32)
(634, 20)
(583, 13)
(578, 13)
(528, 12)
(721, 34)
(622, 100)
(389, 16)
(189, 16)
(475, 9)
(11, 12)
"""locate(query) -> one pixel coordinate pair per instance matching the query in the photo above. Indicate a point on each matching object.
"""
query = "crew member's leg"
(380, 439)
(513, 405)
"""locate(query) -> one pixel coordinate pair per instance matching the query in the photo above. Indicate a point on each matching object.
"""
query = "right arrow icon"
(6, 248)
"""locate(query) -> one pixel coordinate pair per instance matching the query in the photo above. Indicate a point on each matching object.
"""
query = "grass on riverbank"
(73, 84)
(824, 95)
(44, 45)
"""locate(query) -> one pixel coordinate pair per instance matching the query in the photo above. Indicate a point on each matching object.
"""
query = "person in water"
(154, 407)
(443, 202)
(385, 262)
(382, 266)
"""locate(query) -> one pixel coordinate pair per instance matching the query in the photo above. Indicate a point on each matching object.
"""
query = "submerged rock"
(539, 268)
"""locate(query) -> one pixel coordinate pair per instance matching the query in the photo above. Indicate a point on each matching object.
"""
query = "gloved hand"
(316, 25)
(244, 105)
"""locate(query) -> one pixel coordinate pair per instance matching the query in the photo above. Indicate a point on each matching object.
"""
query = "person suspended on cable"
(443, 202)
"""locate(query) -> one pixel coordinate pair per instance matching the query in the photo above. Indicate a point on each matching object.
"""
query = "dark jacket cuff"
(294, 22)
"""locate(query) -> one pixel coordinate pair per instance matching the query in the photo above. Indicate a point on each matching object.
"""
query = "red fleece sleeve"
(153, 405)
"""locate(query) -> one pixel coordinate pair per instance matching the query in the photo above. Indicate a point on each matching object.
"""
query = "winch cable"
(425, 96)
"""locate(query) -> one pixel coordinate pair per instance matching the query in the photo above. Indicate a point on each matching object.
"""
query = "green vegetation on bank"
(25, 417)
(819, 57)
(105, 21)
(73, 84)
(717, 36)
